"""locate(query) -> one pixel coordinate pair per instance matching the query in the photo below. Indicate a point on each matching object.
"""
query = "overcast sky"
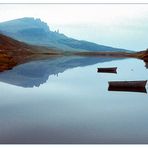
(123, 26)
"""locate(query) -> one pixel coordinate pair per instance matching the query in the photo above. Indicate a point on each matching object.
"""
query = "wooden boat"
(133, 86)
(108, 70)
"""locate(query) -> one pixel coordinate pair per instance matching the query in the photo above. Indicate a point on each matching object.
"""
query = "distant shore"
(139, 55)
(10, 59)
(13, 52)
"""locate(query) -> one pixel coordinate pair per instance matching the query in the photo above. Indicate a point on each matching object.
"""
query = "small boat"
(108, 70)
(133, 86)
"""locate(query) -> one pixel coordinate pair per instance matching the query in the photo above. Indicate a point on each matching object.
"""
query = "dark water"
(74, 106)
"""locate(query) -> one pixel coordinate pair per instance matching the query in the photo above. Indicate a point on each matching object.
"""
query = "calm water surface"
(74, 106)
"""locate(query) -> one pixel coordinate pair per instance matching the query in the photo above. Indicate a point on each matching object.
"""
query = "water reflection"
(36, 73)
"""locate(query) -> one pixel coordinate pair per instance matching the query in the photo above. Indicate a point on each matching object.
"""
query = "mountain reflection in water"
(36, 73)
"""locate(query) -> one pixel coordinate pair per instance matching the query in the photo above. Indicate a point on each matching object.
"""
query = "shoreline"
(10, 59)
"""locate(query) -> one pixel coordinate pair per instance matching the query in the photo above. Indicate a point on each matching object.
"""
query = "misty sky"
(117, 25)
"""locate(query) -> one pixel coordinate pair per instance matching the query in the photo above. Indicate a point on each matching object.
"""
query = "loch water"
(41, 102)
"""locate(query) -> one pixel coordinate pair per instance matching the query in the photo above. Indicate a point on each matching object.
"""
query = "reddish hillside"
(13, 52)
(13, 46)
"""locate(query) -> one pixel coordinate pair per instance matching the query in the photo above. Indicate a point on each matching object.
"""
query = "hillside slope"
(13, 52)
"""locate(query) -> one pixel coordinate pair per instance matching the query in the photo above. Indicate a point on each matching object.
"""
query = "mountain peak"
(24, 23)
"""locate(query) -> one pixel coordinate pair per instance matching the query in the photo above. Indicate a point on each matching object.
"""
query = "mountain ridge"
(34, 31)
